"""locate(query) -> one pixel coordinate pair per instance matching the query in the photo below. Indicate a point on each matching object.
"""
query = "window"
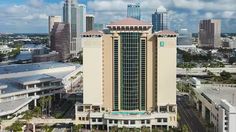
(115, 121)
(164, 119)
(163, 108)
(142, 121)
(159, 120)
(148, 121)
(126, 122)
(132, 122)
(31, 86)
(93, 119)
(110, 121)
(99, 119)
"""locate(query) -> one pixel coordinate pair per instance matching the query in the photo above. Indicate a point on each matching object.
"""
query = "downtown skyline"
(30, 16)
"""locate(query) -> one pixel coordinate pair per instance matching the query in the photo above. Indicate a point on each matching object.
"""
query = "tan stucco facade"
(107, 72)
(92, 72)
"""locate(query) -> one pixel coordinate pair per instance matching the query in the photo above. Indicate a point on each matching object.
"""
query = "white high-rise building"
(51, 21)
(75, 15)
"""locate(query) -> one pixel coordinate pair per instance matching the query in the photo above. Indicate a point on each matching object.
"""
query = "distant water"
(24, 55)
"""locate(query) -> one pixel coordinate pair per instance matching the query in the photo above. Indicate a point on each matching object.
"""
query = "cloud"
(31, 16)
(36, 3)
(209, 5)
(16, 9)
(36, 16)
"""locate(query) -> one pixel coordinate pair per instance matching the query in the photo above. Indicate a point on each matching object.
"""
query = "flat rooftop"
(215, 94)
(34, 78)
(13, 106)
(15, 68)
(11, 86)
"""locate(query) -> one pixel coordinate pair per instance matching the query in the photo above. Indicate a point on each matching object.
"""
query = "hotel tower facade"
(129, 77)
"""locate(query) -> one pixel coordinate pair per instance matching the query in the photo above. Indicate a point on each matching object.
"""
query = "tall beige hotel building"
(129, 77)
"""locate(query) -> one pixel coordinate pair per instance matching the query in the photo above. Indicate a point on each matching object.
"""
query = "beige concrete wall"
(92, 71)
(166, 71)
(150, 76)
(107, 72)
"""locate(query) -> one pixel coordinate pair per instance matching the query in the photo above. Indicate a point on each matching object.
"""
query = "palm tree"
(47, 128)
(114, 129)
(37, 111)
(77, 128)
(16, 127)
(49, 102)
(28, 115)
(125, 129)
(42, 103)
(145, 129)
(185, 128)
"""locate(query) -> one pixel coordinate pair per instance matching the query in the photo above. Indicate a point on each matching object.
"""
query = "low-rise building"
(217, 105)
(22, 85)
(4, 49)
(51, 56)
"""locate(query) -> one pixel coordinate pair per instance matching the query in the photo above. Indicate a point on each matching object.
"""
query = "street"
(187, 115)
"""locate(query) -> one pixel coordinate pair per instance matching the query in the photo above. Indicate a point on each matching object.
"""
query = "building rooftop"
(166, 32)
(34, 79)
(31, 67)
(129, 22)
(11, 86)
(13, 106)
(215, 94)
(92, 33)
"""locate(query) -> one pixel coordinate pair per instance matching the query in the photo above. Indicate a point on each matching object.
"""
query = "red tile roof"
(92, 32)
(166, 32)
(129, 21)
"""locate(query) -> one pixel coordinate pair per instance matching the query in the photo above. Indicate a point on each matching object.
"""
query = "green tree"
(16, 127)
(42, 103)
(114, 129)
(232, 60)
(125, 129)
(28, 115)
(185, 128)
(225, 75)
(145, 129)
(77, 128)
(37, 111)
(47, 128)
(48, 104)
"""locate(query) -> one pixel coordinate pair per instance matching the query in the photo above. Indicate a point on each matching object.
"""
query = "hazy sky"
(30, 16)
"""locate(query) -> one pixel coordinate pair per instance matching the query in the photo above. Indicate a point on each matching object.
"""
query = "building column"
(34, 128)
(108, 126)
(76, 109)
(35, 100)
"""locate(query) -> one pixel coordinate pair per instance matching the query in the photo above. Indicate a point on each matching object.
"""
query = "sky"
(31, 16)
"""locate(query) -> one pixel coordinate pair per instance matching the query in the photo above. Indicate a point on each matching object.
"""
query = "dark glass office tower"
(160, 20)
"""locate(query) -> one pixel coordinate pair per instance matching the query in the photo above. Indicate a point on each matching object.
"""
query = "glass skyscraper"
(134, 11)
(160, 20)
(185, 37)
(74, 14)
